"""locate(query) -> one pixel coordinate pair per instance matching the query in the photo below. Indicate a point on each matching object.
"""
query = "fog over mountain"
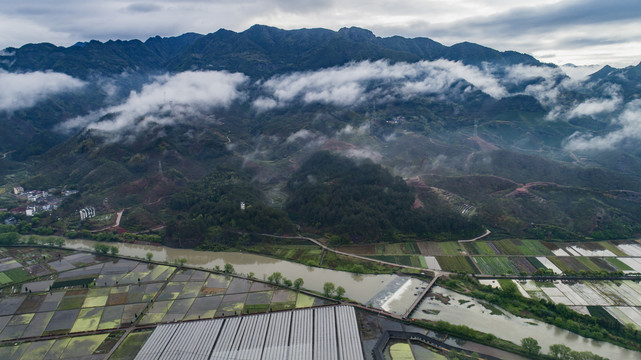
(265, 100)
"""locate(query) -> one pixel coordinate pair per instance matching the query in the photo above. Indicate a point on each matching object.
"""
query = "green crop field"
(495, 265)
(609, 246)
(461, 264)
(537, 264)
(479, 248)
(408, 248)
(304, 301)
(17, 275)
(532, 247)
(619, 264)
(507, 247)
(131, 345)
(451, 248)
(4, 279)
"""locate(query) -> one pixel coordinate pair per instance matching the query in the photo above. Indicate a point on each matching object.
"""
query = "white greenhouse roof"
(317, 334)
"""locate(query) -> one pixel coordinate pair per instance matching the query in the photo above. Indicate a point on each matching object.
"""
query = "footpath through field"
(434, 273)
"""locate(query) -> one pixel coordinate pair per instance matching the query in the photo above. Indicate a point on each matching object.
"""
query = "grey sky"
(559, 31)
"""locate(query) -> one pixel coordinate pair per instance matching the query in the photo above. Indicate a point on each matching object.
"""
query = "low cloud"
(351, 130)
(168, 100)
(580, 72)
(364, 153)
(300, 135)
(547, 81)
(24, 90)
(629, 123)
(593, 107)
(355, 83)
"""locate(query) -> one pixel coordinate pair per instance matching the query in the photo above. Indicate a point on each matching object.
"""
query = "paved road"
(487, 232)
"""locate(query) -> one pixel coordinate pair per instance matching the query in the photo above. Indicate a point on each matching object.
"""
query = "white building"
(18, 190)
(31, 210)
(87, 213)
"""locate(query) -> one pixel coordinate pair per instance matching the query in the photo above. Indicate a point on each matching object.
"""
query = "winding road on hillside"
(7, 153)
(118, 217)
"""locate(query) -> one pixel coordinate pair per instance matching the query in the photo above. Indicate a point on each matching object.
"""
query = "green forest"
(363, 202)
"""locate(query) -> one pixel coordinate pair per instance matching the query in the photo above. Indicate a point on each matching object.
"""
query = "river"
(390, 292)
(362, 288)
(464, 310)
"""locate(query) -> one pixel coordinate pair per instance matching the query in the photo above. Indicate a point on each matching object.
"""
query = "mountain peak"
(357, 34)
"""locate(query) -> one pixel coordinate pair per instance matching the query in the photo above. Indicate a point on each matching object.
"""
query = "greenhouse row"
(319, 334)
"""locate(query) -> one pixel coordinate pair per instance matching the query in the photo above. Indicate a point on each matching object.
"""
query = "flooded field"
(89, 298)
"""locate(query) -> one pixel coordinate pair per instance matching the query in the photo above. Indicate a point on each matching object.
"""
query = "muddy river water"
(463, 310)
(390, 292)
(361, 288)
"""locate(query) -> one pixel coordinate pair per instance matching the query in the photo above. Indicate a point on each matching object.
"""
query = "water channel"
(383, 291)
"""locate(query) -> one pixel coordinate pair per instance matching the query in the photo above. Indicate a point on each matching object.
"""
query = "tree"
(101, 248)
(229, 268)
(340, 291)
(298, 283)
(149, 256)
(9, 238)
(275, 277)
(531, 346)
(328, 289)
(113, 250)
(510, 288)
(453, 355)
(287, 282)
(182, 261)
(251, 275)
(560, 351)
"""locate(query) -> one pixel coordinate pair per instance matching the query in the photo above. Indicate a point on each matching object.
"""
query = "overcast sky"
(583, 32)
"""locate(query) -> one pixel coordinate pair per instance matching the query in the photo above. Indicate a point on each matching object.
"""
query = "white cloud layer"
(170, 99)
(593, 107)
(629, 123)
(359, 82)
(23, 90)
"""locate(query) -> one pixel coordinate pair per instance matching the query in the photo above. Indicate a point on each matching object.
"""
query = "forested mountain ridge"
(258, 51)
(443, 140)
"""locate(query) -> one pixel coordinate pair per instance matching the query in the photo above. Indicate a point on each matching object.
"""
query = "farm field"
(461, 264)
(495, 265)
(85, 293)
(525, 257)
(620, 299)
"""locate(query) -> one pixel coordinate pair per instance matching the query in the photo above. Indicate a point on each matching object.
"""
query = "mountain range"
(179, 129)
